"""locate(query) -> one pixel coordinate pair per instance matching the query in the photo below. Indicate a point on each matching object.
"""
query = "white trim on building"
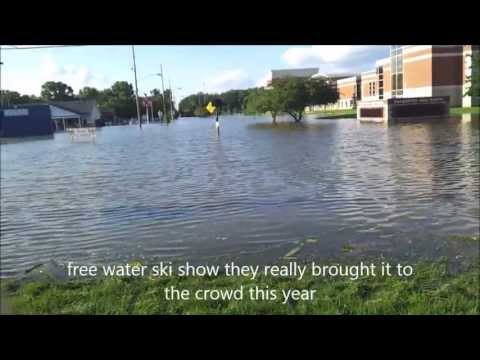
(349, 80)
(383, 62)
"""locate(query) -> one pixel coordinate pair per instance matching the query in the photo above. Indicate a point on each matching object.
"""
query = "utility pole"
(171, 99)
(163, 92)
(136, 87)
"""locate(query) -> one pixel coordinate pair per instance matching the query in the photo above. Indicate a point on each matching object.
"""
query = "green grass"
(335, 114)
(432, 290)
(352, 113)
(464, 238)
(346, 248)
(460, 110)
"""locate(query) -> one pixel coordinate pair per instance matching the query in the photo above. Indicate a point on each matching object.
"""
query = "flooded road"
(320, 190)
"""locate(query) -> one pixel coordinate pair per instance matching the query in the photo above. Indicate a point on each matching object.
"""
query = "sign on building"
(15, 112)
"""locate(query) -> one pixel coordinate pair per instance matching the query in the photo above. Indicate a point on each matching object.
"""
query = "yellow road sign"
(210, 107)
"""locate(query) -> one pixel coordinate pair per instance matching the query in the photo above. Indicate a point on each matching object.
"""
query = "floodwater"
(325, 189)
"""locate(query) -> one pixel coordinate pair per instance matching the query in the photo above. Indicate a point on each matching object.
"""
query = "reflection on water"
(466, 118)
(289, 126)
(253, 193)
(6, 140)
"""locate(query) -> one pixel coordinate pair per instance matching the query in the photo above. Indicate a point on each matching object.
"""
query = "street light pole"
(136, 87)
(163, 92)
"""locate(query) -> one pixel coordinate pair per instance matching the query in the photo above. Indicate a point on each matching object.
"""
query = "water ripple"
(181, 191)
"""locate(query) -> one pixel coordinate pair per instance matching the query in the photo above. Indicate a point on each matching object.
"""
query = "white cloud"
(334, 57)
(264, 79)
(227, 80)
(76, 76)
(297, 56)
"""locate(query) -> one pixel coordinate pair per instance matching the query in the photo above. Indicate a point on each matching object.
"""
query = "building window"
(396, 55)
(380, 82)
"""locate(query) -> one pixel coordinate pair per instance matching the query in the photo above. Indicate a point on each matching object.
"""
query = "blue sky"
(191, 68)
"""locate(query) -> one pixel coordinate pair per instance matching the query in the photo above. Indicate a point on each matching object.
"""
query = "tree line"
(119, 99)
(289, 96)
(233, 102)
(284, 96)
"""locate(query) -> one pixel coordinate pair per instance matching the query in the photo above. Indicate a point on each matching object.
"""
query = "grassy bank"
(459, 110)
(345, 114)
(334, 114)
(432, 290)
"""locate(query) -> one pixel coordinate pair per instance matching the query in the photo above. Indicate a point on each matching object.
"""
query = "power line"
(36, 47)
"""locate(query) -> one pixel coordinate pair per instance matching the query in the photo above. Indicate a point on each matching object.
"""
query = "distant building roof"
(62, 113)
(87, 108)
(304, 72)
(84, 107)
(333, 76)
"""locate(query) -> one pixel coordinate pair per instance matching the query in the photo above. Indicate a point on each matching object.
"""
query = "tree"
(263, 101)
(297, 93)
(474, 79)
(272, 102)
(120, 98)
(157, 100)
(11, 98)
(122, 89)
(89, 93)
(291, 96)
(194, 105)
(53, 90)
(169, 106)
(320, 92)
(234, 101)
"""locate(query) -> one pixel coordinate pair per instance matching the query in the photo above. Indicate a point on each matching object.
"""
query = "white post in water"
(146, 108)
